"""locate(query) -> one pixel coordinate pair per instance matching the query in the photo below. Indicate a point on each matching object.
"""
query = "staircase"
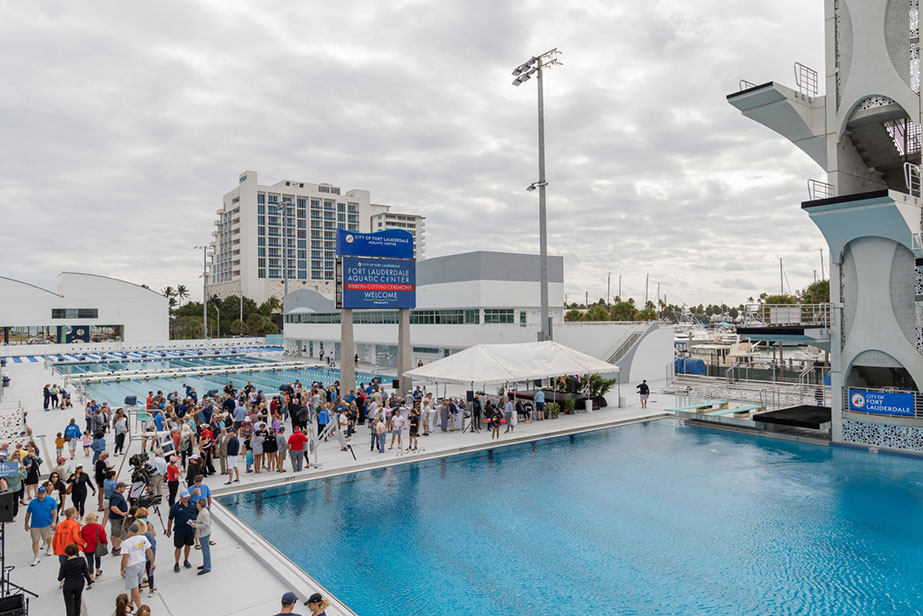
(623, 349)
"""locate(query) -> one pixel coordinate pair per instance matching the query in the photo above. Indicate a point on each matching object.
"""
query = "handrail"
(806, 79)
(817, 315)
(819, 190)
(743, 84)
(912, 179)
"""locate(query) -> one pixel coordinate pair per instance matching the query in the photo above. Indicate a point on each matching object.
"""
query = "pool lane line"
(435, 455)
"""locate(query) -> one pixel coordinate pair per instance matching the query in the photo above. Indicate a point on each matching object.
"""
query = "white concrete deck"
(248, 577)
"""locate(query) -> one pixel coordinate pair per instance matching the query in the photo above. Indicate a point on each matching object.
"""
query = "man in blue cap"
(182, 513)
(289, 600)
(43, 512)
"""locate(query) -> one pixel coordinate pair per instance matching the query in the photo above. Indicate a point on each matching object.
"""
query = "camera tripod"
(8, 600)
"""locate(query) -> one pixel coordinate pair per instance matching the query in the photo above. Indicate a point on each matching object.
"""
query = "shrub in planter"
(569, 405)
(553, 408)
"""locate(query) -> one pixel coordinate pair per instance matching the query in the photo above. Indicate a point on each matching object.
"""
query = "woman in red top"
(173, 473)
(93, 534)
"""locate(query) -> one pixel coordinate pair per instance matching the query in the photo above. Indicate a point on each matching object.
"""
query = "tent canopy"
(499, 363)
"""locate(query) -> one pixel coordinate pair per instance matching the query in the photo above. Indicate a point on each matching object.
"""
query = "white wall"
(488, 294)
(144, 314)
(652, 357)
(596, 339)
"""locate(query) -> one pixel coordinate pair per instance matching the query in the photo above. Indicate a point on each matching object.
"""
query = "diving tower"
(864, 133)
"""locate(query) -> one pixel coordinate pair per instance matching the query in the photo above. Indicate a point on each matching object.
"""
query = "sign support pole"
(347, 351)
(403, 350)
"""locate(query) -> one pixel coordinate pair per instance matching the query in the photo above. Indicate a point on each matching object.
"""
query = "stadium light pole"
(204, 289)
(534, 66)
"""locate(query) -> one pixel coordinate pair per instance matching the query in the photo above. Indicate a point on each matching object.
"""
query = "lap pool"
(649, 518)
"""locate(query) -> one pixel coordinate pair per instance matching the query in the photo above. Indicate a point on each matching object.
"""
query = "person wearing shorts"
(645, 392)
(43, 513)
(72, 436)
(118, 509)
(134, 549)
(397, 425)
(539, 400)
(181, 514)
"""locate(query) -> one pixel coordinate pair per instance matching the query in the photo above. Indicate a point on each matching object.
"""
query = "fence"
(816, 315)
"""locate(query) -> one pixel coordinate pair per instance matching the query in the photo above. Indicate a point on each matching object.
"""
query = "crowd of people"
(186, 439)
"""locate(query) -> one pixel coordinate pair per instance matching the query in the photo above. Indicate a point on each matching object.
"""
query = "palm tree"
(182, 293)
(168, 292)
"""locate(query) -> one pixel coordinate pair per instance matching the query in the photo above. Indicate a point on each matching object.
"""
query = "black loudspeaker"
(131, 400)
(469, 396)
(537, 382)
(7, 500)
(14, 605)
(395, 384)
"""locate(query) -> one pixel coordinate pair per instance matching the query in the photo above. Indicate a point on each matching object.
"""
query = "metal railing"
(625, 347)
(806, 79)
(743, 84)
(917, 402)
(769, 315)
(167, 373)
(696, 390)
(905, 134)
(819, 190)
(913, 178)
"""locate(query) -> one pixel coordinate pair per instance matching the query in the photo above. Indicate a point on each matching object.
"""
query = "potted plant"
(596, 387)
(553, 409)
(569, 406)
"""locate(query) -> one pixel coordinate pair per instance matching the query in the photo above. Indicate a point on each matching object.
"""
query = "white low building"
(475, 298)
(86, 308)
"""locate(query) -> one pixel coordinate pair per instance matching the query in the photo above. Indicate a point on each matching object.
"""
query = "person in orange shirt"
(67, 532)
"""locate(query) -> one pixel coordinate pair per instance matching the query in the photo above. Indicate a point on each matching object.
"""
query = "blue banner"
(8, 469)
(390, 243)
(379, 283)
(880, 403)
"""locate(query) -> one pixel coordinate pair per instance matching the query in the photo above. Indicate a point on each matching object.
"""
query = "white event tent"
(501, 363)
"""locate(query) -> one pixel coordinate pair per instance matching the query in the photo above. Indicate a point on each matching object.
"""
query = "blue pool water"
(651, 518)
(115, 392)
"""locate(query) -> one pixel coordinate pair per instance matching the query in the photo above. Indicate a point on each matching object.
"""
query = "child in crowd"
(59, 445)
(87, 441)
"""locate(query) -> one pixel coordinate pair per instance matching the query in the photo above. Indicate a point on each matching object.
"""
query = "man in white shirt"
(134, 549)
(397, 424)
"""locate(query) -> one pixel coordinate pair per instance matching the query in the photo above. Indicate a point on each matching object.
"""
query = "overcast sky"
(123, 123)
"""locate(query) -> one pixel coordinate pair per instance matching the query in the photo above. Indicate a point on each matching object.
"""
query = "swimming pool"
(649, 518)
(115, 392)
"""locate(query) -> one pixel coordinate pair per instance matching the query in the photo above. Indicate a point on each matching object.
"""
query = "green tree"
(816, 293)
(648, 314)
(573, 315)
(597, 312)
(783, 298)
(622, 311)
(182, 293)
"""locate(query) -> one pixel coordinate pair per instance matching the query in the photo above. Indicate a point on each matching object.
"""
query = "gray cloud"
(124, 124)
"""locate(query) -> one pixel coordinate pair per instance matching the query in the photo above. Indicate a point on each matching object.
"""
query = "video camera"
(139, 493)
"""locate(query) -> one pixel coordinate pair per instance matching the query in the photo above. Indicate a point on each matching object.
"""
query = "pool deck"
(240, 555)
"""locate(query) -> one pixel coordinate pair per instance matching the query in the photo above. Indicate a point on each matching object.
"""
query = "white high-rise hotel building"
(256, 221)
